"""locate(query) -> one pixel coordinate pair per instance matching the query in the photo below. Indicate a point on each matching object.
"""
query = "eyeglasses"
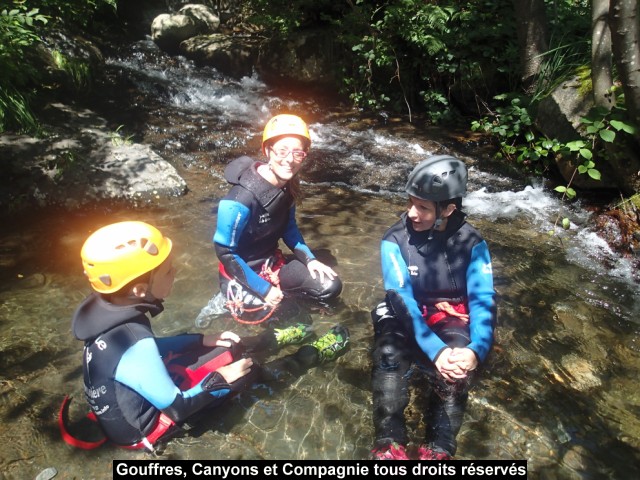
(282, 153)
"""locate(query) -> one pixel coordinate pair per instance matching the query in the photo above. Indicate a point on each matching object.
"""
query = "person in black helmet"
(439, 311)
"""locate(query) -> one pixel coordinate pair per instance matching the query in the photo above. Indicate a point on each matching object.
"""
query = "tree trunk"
(601, 55)
(625, 35)
(626, 50)
(533, 38)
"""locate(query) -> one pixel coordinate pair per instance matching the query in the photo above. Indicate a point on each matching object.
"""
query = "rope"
(235, 304)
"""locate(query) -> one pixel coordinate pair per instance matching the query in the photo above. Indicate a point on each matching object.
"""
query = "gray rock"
(169, 29)
(47, 474)
(82, 162)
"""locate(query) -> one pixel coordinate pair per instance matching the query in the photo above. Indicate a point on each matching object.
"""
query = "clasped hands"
(456, 363)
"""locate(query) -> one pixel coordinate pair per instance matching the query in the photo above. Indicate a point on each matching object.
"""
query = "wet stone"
(47, 474)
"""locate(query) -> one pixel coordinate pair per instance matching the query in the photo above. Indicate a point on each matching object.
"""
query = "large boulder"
(169, 29)
(80, 162)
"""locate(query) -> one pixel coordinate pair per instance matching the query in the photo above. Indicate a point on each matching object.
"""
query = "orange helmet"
(116, 254)
(285, 125)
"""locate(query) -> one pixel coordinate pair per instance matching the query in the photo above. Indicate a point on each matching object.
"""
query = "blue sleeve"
(395, 274)
(481, 295)
(293, 239)
(141, 369)
(233, 218)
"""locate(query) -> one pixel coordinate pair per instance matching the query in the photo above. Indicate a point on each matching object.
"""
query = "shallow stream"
(561, 385)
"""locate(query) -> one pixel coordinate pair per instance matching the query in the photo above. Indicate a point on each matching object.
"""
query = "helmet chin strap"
(438, 221)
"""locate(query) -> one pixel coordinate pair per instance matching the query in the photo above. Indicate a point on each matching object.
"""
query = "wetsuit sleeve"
(481, 295)
(233, 218)
(293, 239)
(397, 284)
(142, 370)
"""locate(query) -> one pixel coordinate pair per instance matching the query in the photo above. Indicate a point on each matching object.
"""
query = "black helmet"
(438, 178)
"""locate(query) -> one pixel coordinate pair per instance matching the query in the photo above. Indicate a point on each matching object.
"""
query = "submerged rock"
(47, 474)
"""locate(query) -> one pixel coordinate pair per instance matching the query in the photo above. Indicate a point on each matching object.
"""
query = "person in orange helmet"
(139, 386)
(260, 210)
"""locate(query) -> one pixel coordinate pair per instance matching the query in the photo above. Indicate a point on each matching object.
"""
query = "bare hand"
(316, 267)
(235, 370)
(225, 339)
(274, 296)
(465, 358)
(451, 371)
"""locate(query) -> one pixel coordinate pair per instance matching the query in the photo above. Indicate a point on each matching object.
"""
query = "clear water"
(560, 387)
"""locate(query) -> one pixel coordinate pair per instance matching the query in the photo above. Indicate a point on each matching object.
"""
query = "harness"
(270, 271)
(444, 310)
(189, 378)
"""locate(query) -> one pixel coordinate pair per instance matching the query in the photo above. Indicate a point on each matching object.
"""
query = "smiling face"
(286, 157)
(423, 214)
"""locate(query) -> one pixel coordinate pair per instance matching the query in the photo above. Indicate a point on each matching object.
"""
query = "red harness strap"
(162, 427)
(190, 378)
(444, 310)
(268, 271)
(66, 436)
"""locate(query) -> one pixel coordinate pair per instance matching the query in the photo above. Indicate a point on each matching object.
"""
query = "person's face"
(162, 279)
(422, 214)
(286, 157)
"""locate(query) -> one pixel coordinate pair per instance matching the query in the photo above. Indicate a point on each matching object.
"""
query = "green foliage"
(77, 69)
(560, 63)
(118, 140)
(512, 126)
(17, 35)
(21, 23)
(74, 12)
(283, 18)
(421, 53)
(406, 54)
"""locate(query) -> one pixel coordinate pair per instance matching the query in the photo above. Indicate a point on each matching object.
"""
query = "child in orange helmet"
(140, 386)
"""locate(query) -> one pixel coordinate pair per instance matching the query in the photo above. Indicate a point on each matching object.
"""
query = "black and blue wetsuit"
(131, 376)
(126, 377)
(252, 218)
(421, 270)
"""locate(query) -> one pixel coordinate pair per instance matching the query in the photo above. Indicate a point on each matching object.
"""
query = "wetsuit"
(131, 376)
(423, 271)
(252, 218)
(126, 378)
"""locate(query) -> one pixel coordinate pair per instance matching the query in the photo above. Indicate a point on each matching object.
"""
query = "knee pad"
(330, 289)
(391, 353)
